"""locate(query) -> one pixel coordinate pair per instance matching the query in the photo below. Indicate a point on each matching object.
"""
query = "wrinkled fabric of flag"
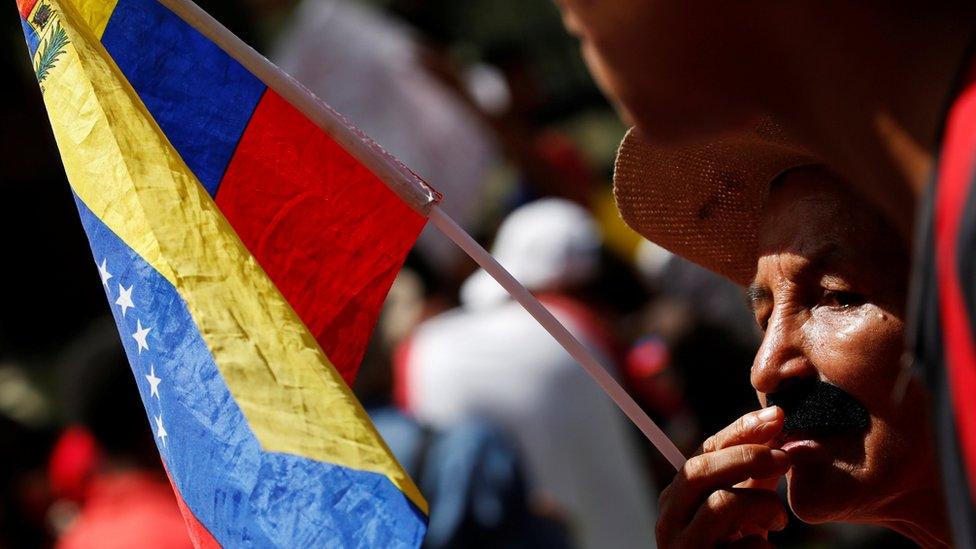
(199, 189)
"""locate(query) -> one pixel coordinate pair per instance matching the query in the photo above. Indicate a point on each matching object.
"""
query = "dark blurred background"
(490, 101)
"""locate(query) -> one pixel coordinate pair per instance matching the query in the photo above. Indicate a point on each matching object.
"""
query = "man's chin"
(819, 492)
(680, 125)
(821, 488)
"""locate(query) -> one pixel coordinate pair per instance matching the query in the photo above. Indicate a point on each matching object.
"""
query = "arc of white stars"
(103, 272)
(125, 299)
(153, 381)
(140, 336)
(161, 433)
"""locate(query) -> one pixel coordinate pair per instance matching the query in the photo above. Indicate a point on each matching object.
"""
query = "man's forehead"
(809, 256)
(805, 215)
(814, 216)
(808, 261)
(823, 226)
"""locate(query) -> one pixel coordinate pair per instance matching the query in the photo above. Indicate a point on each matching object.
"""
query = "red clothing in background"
(123, 510)
(943, 301)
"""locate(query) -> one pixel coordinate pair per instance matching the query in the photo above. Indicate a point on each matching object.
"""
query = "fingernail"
(779, 456)
(768, 414)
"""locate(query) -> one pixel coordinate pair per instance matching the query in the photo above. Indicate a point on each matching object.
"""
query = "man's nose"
(782, 357)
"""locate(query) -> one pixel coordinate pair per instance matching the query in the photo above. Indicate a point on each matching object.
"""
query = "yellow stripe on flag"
(124, 169)
(95, 14)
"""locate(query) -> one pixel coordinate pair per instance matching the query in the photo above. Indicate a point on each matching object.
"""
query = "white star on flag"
(160, 430)
(140, 336)
(125, 299)
(103, 273)
(153, 381)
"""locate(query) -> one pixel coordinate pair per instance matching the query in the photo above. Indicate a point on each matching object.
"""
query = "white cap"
(548, 245)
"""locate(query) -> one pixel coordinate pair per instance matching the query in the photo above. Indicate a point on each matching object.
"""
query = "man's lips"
(792, 447)
(800, 441)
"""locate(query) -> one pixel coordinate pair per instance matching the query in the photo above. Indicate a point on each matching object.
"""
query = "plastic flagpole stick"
(569, 342)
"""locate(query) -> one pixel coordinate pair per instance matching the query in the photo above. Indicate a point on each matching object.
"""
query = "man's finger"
(726, 514)
(704, 474)
(758, 427)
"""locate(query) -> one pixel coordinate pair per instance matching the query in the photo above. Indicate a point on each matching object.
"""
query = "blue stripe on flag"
(239, 492)
(33, 41)
(200, 96)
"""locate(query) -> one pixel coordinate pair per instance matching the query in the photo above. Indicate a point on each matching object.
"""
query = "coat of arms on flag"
(46, 39)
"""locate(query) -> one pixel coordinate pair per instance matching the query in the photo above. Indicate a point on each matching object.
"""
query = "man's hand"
(726, 494)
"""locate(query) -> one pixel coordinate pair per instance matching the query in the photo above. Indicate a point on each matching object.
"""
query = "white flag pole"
(573, 346)
(422, 198)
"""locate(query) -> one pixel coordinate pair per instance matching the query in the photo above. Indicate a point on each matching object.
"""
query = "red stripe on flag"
(25, 7)
(328, 232)
(954, 184)
(199, 535)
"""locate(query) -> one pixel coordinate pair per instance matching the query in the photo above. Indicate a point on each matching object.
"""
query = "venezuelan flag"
(330, 234)
(262, 439)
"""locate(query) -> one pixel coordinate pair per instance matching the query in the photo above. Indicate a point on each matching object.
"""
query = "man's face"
(677, 69)
(829, 294)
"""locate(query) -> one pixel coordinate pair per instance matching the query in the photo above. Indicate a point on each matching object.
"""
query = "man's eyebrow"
(757, 294)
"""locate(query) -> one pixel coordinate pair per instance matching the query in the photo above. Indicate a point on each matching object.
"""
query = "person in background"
(108, 464)
(470, 472)
(489, 359)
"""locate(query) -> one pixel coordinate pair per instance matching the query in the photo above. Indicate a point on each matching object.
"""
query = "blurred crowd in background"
(507, 437)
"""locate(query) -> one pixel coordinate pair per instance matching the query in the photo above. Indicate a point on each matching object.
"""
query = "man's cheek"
(874, 351)
(853, 346)
(866, 367)
(607, 58)
(571, 20)
(606, 80)
(580, 17)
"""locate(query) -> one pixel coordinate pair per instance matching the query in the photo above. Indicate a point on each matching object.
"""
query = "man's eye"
(841, 300)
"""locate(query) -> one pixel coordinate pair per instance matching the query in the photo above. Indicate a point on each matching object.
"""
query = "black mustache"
(820, 407)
